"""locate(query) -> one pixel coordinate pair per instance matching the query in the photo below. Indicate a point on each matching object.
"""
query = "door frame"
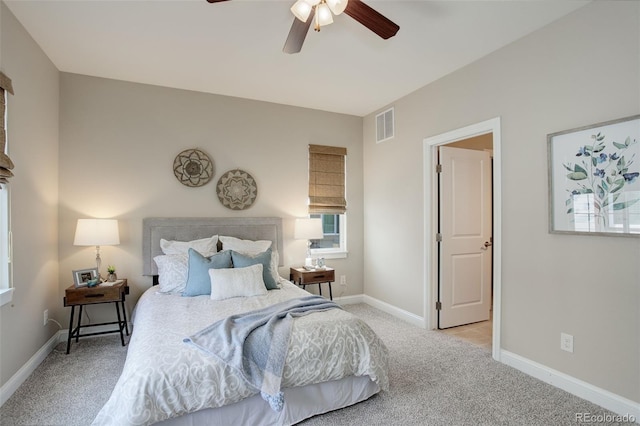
(430, 221)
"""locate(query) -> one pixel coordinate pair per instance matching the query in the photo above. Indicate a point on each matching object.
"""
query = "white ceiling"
(235, 48)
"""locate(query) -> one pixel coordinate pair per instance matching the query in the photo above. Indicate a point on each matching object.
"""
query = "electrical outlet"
(566, 342)
(46, 316)
(343, 280)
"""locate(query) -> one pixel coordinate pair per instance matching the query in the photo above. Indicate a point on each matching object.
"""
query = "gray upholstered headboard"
(193, 228)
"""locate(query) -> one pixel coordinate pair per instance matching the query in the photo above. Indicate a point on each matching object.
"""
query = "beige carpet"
(436, 379)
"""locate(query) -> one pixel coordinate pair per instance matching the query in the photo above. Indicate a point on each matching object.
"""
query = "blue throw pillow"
(243, 260)
(198, 281)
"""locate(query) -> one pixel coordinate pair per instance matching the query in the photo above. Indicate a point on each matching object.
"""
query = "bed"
(333, 360)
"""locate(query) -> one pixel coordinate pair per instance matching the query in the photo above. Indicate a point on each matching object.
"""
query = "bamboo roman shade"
(5, 162)
(326, 179)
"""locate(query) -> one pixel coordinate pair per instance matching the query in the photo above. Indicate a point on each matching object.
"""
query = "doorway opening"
(484, 136)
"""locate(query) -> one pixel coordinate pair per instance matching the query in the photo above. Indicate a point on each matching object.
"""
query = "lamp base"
(98, 263)
(308, 261)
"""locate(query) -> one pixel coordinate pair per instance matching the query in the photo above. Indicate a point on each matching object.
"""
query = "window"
(5, 238)
(327, 201)
(333, 227)
(6, 165)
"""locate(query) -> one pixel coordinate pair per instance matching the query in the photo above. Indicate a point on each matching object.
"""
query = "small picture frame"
(81, 277)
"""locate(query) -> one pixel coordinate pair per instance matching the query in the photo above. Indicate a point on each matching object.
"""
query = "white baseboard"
(383, 306)
(395, 311)
(25, 371)
(584, 390)
(349, 300)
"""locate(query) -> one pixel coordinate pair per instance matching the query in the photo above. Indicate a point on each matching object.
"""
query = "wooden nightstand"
(303, 277)
(93, 295)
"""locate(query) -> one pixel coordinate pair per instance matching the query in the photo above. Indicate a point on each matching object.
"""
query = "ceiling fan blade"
(297, 34)
(216, 1)
(371, 19)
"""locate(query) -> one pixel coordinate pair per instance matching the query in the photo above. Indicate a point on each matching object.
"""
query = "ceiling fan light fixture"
(320, 13)
(337, 6)
(301, 10)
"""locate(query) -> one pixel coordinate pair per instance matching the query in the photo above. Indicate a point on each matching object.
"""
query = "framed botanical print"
(594, 184)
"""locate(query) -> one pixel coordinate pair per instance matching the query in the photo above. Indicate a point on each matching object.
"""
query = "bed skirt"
(300, 403)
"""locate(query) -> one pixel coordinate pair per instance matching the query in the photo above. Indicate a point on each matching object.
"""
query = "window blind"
(327, 180)
(5, 162)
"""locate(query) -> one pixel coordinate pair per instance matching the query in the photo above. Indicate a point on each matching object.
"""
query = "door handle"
(487, 244)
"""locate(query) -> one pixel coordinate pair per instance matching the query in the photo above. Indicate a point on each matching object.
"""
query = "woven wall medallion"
(237, 190)
(193, 167)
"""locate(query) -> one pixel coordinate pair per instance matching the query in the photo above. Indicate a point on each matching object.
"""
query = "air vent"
(384, 126)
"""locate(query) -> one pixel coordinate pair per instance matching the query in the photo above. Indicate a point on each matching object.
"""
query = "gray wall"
(580, 70)
(118, 141)
(33, 145)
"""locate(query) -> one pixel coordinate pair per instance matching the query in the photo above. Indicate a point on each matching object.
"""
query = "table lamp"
(97, 232)
(308, 229)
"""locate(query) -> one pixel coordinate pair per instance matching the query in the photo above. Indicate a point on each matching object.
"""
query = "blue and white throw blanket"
(256, 343)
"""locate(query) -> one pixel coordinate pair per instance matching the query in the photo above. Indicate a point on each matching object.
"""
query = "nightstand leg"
(70, 329)
(120, 325)
(320, 288)
(124, 314)
(330, 295)
(78, 328)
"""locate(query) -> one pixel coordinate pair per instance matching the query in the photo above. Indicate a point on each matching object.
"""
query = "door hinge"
(438, 168)
(438, 306)
(439, 237)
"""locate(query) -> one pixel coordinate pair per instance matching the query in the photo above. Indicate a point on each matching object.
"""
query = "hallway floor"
(479, 333)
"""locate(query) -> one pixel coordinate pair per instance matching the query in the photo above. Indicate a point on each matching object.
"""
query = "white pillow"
(237, 282)
(204, 246)
(275, 259)
(251, 248)
(172, 272)
(244, 246)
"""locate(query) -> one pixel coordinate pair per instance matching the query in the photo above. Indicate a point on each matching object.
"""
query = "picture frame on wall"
(594, 179)
(81, 277)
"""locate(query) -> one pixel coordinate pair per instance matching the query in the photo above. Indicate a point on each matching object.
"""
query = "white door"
(465, 226)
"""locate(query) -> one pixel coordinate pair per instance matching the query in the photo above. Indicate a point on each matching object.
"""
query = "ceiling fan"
(320, 13)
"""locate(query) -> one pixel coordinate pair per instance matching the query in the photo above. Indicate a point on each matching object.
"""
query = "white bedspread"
(164, 377)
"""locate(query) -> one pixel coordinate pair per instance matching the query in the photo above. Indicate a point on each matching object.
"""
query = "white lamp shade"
(301, 9)
(324, 16)
(308, 229)
(337, 6)
(97, 232)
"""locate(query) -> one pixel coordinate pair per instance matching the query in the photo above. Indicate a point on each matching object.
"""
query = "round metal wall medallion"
(237, 190)
(193, 167)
